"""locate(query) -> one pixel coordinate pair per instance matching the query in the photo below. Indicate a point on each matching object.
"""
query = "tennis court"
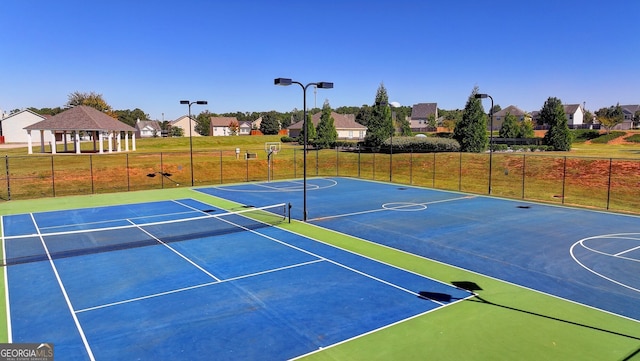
(184, 280)
(379, 271)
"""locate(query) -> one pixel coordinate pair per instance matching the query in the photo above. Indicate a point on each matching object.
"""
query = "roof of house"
(27, 111)
(423, 110)
(340, 121)
(631, 109)
(511, 109)
(81, 117)
(153, 124)
(571, 108)
(223, 121)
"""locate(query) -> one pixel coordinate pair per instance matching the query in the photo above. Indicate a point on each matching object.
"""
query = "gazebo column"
(54, 145)
(119, 141)
(41, 140)
(133, 141)
(77, 142)
(94, 134)
(110, 142)
(29, 142)
(101, 141)
(126, 141)
(64, 138)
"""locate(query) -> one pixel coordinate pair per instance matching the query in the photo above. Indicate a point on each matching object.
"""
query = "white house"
(12, 126)
(183, 123)
(148, 128)
(574, 114)
(221, 126)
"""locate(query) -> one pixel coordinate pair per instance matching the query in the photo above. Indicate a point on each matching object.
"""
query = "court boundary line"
(454, 266)
(580, 242)
(207, 284)
(5, 274)
(382, 209)
(64, 292)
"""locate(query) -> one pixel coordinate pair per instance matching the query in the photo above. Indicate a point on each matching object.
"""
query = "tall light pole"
(482, 96)
(321, 85)
(189, 103)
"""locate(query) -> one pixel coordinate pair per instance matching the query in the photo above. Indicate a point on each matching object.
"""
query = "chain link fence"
(599, 183)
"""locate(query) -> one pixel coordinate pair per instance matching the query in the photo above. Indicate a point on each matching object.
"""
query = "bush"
(605, 138)
(634, 138)
(582, 135)
(287, 139)
(422, 144)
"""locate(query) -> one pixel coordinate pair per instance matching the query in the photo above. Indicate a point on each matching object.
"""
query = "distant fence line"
(600, 183)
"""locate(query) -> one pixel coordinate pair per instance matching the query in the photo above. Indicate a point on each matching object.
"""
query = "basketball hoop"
(271, 148)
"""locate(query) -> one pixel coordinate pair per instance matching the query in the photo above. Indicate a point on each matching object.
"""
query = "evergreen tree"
(510, 127)
(380, 125)
(526, 128)
(558, 135)
(471, 130)
(326, 131)
(311, 130)
(269, 124)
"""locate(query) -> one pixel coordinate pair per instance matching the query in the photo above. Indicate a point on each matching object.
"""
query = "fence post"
(411, 166)
(460, 174)
(220, 167)
(317, 161)
(609, 184)
(337, 162)
(6, 162)
(128, 176)
(53, 178)
(524, 164)
(433, 175)
(359, 162)
(295, 171)
(162, 172)
(564, 176)
(93, 190)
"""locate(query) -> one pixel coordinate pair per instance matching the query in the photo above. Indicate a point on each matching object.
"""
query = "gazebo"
(86, 119)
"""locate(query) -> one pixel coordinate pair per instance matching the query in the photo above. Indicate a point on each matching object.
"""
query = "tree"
(326, 132)
(176, 132)
(130, 117)
(203, 123)
(269, 124)
(610, 117)
(380, 125)
(510, 127)
(558, 135)
(234, 127)
(471, 130)
(91, 99)
(363, 115)
(526, 128)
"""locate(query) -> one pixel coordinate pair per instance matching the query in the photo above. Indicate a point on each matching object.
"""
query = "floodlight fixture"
(184, 102)
(282, 81)
(481, 96)
(324, 85)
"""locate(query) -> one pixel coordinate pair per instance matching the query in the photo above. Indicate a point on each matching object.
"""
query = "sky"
(150, 54)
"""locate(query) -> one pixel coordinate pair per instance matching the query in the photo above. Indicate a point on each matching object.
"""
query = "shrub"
(287, 139)
(605, 138)
(422, 144)
(634, 138)
(582, 135)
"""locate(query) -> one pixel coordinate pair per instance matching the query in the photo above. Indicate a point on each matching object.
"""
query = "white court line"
(64, 292)
(195, 287)
(6, 282)
(388, 209)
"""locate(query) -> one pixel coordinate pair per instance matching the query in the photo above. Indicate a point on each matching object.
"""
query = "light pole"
(482, 96)
(189, 103)
(321, 85)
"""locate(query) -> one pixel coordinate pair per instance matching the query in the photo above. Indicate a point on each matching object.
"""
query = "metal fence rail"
(601, 183)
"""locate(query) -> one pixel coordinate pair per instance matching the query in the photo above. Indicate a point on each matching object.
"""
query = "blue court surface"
(185, 280)
(588, 257)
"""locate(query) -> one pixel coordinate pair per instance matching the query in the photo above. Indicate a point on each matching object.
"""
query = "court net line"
(134, 225)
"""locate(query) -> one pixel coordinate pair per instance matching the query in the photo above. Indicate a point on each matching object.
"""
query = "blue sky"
(151, 54)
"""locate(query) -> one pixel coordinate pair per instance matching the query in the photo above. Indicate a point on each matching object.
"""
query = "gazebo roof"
(81, 117)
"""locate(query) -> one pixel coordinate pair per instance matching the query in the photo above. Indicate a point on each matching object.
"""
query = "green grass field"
(506, 322)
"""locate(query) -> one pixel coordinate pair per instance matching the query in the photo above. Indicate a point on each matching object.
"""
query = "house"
(12, 126)
(420, 114)
(498, 117)
(345, 124)
(630, 112)
(188, 127)
(148, 128)
(575, 115)
(221, 126)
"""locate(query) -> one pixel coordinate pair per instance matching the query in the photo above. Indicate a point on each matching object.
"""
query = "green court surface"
(504, 322)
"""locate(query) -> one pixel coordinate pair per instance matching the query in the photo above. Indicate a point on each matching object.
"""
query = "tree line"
(467, 126)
